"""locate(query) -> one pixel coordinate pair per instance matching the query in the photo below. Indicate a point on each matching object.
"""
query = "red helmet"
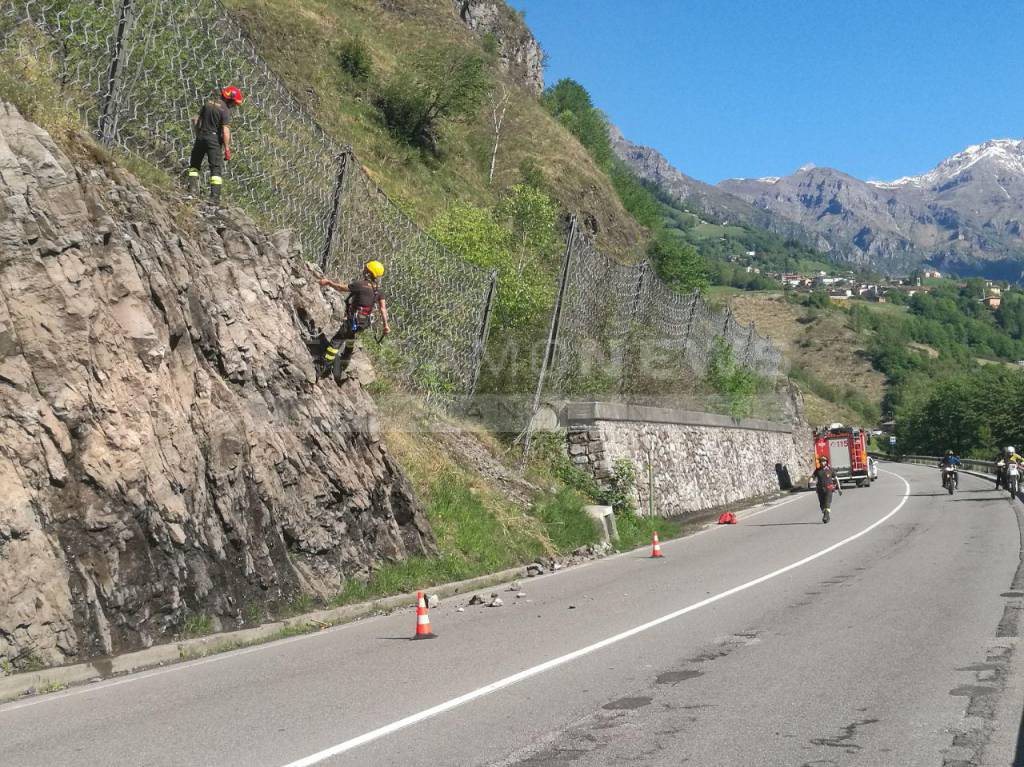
(232, 95)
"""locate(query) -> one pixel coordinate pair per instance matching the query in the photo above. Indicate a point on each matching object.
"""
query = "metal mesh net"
(137, 71)
(624, 332)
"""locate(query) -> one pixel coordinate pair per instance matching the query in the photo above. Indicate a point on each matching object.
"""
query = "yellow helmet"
(376, 268)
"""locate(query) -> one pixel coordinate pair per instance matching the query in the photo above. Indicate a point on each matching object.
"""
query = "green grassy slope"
(301, 39)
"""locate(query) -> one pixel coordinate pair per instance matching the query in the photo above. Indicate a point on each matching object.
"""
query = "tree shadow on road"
(1019, 758)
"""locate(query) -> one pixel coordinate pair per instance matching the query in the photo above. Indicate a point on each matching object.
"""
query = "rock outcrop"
(520, 53)
(166, 455)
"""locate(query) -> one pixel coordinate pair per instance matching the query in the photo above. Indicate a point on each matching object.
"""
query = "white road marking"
(230, 654)
(561, 660)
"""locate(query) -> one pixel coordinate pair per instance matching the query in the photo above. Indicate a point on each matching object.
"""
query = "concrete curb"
(53, 679)
(57, 678)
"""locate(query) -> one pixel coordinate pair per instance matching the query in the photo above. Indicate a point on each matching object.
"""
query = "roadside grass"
(479, 529)
(296, 629)
(197, 624)
(567, 525)
(636, 531)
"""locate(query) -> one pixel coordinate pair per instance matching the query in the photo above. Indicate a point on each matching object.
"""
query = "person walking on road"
(212, 131)
(826, 483)
(364, 295)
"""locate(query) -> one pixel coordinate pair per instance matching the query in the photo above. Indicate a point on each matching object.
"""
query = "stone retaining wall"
(699, 460)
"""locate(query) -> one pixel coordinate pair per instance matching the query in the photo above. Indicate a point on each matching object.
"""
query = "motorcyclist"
(1009, 455)
(826, 483)
(949, 459)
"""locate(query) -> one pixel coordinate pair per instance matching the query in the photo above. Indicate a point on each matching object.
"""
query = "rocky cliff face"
(520, 53)
(165, 451)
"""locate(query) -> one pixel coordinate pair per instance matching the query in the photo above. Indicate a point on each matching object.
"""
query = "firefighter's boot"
(325, 365)
(193, 181)
(216, 182)
(825, 516)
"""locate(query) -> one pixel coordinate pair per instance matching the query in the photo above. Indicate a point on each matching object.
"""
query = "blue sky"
(729, 88)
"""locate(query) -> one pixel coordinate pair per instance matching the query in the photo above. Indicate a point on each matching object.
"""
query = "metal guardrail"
(968, 464)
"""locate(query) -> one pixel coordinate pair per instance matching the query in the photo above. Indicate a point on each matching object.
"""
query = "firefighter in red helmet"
(212, 131)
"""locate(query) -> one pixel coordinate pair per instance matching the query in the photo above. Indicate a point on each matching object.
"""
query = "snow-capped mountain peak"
(1007, 155)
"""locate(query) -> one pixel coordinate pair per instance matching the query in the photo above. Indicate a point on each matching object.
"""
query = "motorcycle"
(949, 478)
(1012, 478)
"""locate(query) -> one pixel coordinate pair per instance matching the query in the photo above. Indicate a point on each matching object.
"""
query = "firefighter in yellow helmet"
(364, 295)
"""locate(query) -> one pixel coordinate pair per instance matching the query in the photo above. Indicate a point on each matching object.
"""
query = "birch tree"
(498, 108)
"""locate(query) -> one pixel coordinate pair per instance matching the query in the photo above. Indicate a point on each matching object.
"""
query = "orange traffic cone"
(656, 547)
(422, 619)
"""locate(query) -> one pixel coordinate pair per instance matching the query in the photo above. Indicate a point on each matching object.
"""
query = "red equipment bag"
(728, 518)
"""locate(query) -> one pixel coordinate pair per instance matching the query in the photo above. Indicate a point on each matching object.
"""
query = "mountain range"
(964, 216)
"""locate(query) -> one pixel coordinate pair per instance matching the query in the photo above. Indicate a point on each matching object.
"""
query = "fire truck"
(846, 448)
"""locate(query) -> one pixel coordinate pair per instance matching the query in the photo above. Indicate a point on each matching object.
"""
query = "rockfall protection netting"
(623, 333)
(137, 71)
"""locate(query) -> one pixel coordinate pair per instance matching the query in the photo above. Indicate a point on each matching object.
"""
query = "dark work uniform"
(826, 484)
(209, 143)
(363, 296)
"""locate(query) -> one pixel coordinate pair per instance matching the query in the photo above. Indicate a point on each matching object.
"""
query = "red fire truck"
(846, 448)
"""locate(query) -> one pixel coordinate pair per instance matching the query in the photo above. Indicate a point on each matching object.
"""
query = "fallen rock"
(433, 601)
(476, 599)
(496, 602)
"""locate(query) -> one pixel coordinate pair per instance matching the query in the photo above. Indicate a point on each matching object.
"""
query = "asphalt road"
(886, 637)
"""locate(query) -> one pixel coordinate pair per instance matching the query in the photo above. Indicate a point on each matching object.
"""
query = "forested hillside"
(951, 365)
(418, 94)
